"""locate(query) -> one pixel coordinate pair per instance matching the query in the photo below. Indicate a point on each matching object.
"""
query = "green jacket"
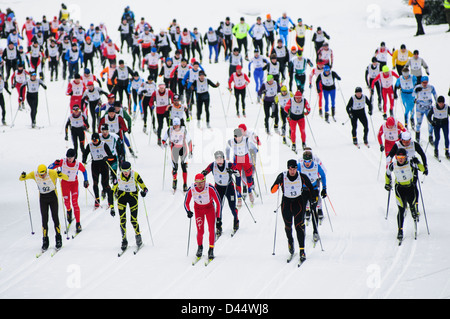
(240, 30)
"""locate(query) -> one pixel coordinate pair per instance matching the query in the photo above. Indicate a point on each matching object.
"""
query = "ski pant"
(301, 125)
(258, 44)
(32, 99)
(243, 43)
(388, 93)
(240, 93)
(131, 199)
(300, 80)
(228, 39)
(89, 58)
(329, 95)
(101, 168)
(300, 42)
(73, 69)
(247, 168)
(207, 212)
(378, 88)
(214, 48)
(70, 194)
(293, 212)
(361, 116)
(203, 99)
(270, 110)
(284, 35)
(443, 124)
(408, 103)
(230, 193)
(78, 135)
(186, 51)
(258, 74)
(405, 195)
(94, 115)
(179, 153)
(283, 116)
(53, 64)
(49, 202)
(421, 113)
(2, 105)
(21, 90)
(160, 118)
(146, 107)
(195, 46)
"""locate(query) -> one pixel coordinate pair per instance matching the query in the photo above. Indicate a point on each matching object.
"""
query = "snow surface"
(360, 257)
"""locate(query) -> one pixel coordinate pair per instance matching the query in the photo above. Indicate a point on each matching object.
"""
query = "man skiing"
(297, 190)
(356, 111)
(206, 206)
(297, 108)
(69, 188)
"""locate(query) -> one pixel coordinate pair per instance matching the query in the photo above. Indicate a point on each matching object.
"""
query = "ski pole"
(264, 177)
(312, 134)
(373, 129)
(423, 206)
(343, 123)
(342, 94)
(276, 221)
(317, 228)
(64, 212)
(29, 210)
(148, 223)
(48, 111)
(387, 209)
(379, 165)
(164, 168)
(244, 202)
(223, 107)
(329, 219)
(14, 120)
(328, 196)
(189, 236)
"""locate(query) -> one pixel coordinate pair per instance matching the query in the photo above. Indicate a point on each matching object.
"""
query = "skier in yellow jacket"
(46, 182)
(126, 192)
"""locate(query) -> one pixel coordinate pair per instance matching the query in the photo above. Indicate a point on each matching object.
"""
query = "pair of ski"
(197, 259)
(358, 147)
(138, 248)
(300, 262)
(400, 240)
(42, 252)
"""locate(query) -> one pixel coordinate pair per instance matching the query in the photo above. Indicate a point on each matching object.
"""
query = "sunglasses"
(400, 157)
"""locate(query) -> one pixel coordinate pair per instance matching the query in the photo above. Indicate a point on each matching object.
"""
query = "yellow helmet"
(283, 88)
(42, 169)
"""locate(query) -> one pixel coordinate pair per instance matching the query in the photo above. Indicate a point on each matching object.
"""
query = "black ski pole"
(387, 209)
(29, 210)
(423, 206)
(276, 221)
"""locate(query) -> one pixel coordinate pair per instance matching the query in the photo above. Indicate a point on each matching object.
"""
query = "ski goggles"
(400, 157)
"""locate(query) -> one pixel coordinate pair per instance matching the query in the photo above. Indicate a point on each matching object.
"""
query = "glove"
(323, 193)
(86, 184)
(388, 187)
(144, 192)
(381, 148)
(113, 213)
(415, 160)
(425, 172)
(23, 175)
(190, 155)
(231, 171)
(66, 137)
(190, 214)
(370, 113)
(60, 174)
(204, 172)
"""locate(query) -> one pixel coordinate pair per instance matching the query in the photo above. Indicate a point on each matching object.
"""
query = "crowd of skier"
(175, 82)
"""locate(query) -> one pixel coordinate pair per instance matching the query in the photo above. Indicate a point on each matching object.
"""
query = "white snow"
(360, 257)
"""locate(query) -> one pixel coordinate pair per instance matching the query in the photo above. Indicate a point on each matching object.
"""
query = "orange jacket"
(417, 5)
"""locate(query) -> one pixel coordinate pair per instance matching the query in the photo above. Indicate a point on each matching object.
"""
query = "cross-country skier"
(297, 190)
(296, 109)
(207, 206)
(222, 171)
(438, 116)
(48, 200)
(180, 142)
(391, 130)
(356, 111)
(406, 83)
(127, 193)
(69, 188)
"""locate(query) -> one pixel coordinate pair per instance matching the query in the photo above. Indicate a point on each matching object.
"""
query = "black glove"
(231, 171)
(23, 175)
(323, 193)
(388, 187)
(190, 214)
(113, 213)
(381, 148)
(204, 172)
(415, 160)
(144, 192)
(66, 137)
(86, 184)
(425, 172)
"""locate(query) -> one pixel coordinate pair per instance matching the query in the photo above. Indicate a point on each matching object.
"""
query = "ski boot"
(284, 140)
(391, 112)
(291, 248)
(412, 123)
(327, 115)
(69, 216)
(185, 187)
(400, 234)
(174, 184)
(294, 149)
(239, 202)
(199, 251)
(58, 240)
(78, 228)
(145, 128)
(252, 198)
(430, 139)
(447, 154)
(307, 216)
(112, 211)
(320, 214)
(218, 227)
(417, 137)
(211, 253)
(236, 224)
(436, 153)
(138, 241)
(302, 255)
(97, 203)
(243, 113)
(333, 113)
(303, 145)
(384, 116)
(320, 113)
(316, 237)
(45, 243)
(124, 244)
